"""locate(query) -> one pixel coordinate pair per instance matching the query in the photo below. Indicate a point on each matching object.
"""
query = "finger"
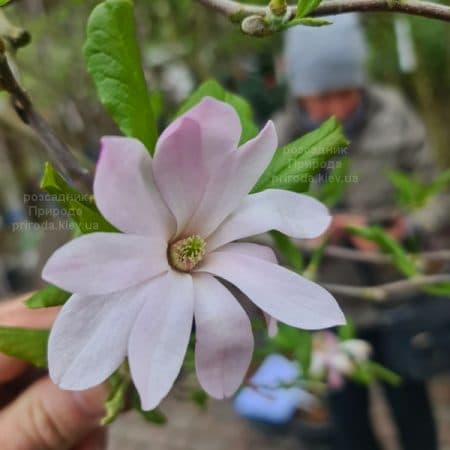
(95, 441)
(47, 418)
(15, 314)
(12, 389)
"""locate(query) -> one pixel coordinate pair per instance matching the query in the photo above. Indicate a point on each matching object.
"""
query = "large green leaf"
(47, 297)
(113, 59)
(294, 165)
(30, 345)
(80, 207)
(212, 88)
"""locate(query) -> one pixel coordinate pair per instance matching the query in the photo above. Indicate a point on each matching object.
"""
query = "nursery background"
(184, 44)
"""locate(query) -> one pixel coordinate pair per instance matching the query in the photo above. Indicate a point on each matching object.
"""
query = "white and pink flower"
(336, 360)
(136, 293)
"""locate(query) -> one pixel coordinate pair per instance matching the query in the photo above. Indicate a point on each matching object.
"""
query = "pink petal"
(125, 191)
(160, 337)
(232, 181)
(224, 339)
(283, 294)
(101, 263)
(220, 126)
(179, 170)
(296, 215)
(89, 339)
(261, 252)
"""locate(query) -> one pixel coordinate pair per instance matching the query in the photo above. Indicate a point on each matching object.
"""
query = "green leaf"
(113, 59)
(383, 374)
(47, 297)
(442, 289)
(200, 398)
(80, 207)
(307, 22)
(411, 194)
(288, 249)
(400, 258)
(303, 351)
(117, 397)
(440, 183)
(4, 2)
(29, 345)
(347, 331)
(212, 88)
(294, 342)
(305, 7)
(154, 416)
(409, 191)
(294, 165)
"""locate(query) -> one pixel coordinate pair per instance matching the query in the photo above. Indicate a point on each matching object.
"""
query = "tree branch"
(59, 154)
(397, 290)
(348, 254)
(238, 10)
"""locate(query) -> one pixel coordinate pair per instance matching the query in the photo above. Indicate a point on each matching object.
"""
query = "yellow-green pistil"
(186, 253)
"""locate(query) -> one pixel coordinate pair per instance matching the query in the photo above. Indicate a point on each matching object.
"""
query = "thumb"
(46, 418)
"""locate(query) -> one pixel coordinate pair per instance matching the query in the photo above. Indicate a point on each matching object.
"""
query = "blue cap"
(321, 59)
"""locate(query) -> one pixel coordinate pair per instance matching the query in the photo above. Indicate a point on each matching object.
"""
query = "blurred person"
(34, 413)
(325, 75)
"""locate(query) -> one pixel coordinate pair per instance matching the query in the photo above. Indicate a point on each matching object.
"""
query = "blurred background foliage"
(183, 44)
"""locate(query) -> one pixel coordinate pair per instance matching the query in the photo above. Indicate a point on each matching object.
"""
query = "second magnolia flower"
(136, 293)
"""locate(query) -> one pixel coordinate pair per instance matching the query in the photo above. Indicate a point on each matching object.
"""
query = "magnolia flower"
(334, 359)
(136, 293)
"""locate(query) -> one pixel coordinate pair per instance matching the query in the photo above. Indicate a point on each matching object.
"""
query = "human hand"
(42, 416)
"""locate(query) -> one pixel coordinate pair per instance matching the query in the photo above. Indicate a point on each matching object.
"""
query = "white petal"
(232, 181)
(160, 337)
(283, 294)
(125, 192)
(261, 252)
(89, 339)
(250, 249)
(224, 339)
(101, 263)
(179, 170)
(220, 126)
(296, 215)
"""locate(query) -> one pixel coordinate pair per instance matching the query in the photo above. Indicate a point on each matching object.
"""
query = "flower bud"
(256, 26)
(278, 7)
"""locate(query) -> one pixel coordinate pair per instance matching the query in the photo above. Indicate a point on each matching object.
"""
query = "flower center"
(185, 254)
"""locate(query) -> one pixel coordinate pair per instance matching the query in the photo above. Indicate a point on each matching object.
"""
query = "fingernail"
(92, 401)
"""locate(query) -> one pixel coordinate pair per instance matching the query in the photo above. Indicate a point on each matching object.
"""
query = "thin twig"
(59, 154)
(348, 254)
(239, 10)
(397, 290)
